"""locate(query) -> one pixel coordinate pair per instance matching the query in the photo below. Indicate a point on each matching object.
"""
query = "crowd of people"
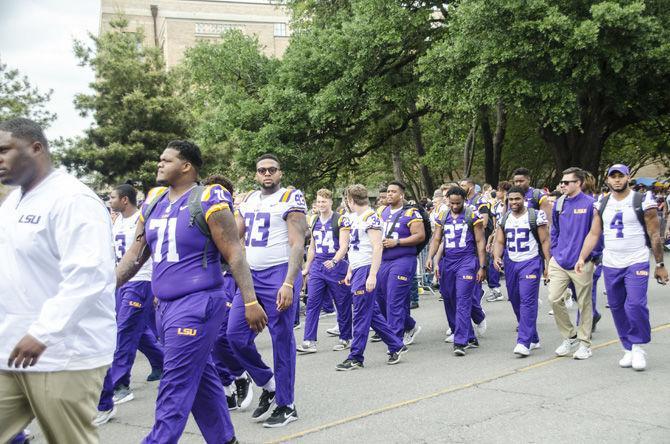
(198, 270)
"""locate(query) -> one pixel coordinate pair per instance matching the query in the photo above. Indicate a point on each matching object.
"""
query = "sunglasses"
(262, 171)
(568, 182)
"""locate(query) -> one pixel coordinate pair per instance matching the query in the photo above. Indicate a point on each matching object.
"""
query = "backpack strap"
(532, 221)
(197, 218)
(153, 196)
(638, 198)
(559, 204)
(312, 222)
(395, 222)
(603, 204)
(335, 224)
(537, 196)
(469, 217)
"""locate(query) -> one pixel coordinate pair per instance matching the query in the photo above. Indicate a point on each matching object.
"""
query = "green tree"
(134, 107)
(18, 98)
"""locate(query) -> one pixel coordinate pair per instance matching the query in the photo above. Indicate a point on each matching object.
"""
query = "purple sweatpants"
(134, 308)
(523, 287)
(627, 297)
(190, 384)
(324, 285)
(241, 337)
(367, 314)
(227, 365)
(458, 285)
(394, 281)
(493, 275)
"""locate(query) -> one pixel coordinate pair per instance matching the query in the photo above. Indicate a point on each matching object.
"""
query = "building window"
(281, 30)
(214, 29)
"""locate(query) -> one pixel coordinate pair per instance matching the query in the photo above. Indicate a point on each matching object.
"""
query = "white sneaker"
(481, 328)
(334, 331)
(410, 336)
(448, 332)
(639, 359)
(307, 347)
(535, 345)
(122, 394)
(449, 338)
(566, 347)
(521, 350)
(104, 417)
(583, 352)
(551, 312)
(342, 345)
(627, 360)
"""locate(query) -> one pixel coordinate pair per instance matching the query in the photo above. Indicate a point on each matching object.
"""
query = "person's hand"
(579, 266)
(390, 243)
(329, 265)
(370, 283)
(489, 247)
(256, 317)
(436, 266)
(545, 275)
(498, 264)
(26, 353)
(284, 297)
(481, 274)
(429, 264)
(347, 279)
(305, 272)
(661, 275)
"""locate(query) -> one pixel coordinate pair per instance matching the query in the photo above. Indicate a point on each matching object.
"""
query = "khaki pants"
(64, 403)
(559, 281)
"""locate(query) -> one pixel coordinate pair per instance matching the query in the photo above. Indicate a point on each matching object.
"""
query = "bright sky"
(36, 38)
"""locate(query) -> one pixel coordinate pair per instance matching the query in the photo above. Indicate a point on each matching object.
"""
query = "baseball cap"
(621, 168)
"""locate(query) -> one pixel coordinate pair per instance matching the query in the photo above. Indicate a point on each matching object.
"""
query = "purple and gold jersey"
(360, 246)
(177, 246)
(325, 242)
(457, 237)
(530, 201)
(399, 230)
(479, 203)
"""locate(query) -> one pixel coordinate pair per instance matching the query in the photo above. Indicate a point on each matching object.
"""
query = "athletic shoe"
(307, 347)
(244, 393)
(265, 406)
(551, 312)
(481, 328)
(28, 435)
(449, 338)
(639, 359)
(342, 345)
(627, 360)
(535, 345)
(583, 352)
(410, 336)
(566, 347)
(413, 305)
(122, 394)
(375, 338)
(495, 295)
(521, 350)
(233, 440)
(281, 416)
(394, 357)
(473, 343)
(459, 350)
(448, 332)
(334, 331)
(596, 319)
(104, 417)
(348, 365)
(232, 401)
(441, 298)
(326, 314)
(296, 326)
(155, 375)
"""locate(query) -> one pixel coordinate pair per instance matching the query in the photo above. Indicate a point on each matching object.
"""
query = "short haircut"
(398, 184)
(556, 194)
(521, 172)
(188, 151)
(382, 190)
(469, 180)
(493, 194)
(25, 129)
(219, 179)
(504, 185)
(437, 193)
(325, 193)
(516, 189)
(269, 156)
(128, 191)
(577, 172)
(457, 191)
(358, 193)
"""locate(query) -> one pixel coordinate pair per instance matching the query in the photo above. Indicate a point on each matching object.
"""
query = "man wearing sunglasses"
(272, 223)
(572, 217)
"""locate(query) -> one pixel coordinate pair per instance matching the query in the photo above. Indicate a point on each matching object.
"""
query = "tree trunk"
(498, 141)
(469, 149)
(397, 165)
(426, 180)
(487, 139)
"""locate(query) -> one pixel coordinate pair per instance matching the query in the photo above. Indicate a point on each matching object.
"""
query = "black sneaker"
(233, 440)
(155, 375)
(459, 350)
(265, 405)
(394, 358)
(375, 338)
(596, 319)
(281, 416)
(413, 305)
(232, 402)
(348, 365)
(244, 393)
(473, 343)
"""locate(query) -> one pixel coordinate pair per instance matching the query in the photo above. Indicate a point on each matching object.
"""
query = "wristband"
(249, 304)
(660, 264)
(286, 284)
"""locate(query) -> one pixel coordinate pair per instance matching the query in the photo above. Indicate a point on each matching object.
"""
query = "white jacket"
(57, 275)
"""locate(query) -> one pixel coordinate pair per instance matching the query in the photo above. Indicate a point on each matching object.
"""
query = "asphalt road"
(431, 396)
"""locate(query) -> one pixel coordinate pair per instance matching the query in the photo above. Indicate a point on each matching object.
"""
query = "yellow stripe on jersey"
(152, 195)
(379, 210)
(367, 214)
(414, 220)
(477, 222)
(215, 208)
(409, 213)
(285, 196)
(542, 199)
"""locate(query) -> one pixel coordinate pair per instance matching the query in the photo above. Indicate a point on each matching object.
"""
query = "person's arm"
(297, 224)
(653, 227)
(376, 241)
(435, 243)
(546, 206)
(344, 247)
(590, 241)
(135, 257)
(311, 252)
(225, 234)
(241, 227)
(543, 234)
(417, 234)
(82, 233)
(498, 248)
(478, 229)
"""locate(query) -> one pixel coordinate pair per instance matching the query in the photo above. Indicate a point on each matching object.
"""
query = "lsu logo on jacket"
(183, 331)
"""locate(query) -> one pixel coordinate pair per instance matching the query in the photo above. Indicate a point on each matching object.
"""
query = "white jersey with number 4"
(266, 230)
(360, 247)
(625, 242)
(519, 240)
(123, 232)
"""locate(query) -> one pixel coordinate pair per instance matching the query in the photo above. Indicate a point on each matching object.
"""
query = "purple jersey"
(399, 230)
(326, 243)
(177, 246)
(458, 238)
(479, 203)
(531, 202)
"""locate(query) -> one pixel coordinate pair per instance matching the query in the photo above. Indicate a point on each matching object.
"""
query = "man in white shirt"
(57, 284)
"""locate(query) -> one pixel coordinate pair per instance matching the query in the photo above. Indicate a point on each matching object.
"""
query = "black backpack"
(426, 225)
(638, 198)
(532, 221)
